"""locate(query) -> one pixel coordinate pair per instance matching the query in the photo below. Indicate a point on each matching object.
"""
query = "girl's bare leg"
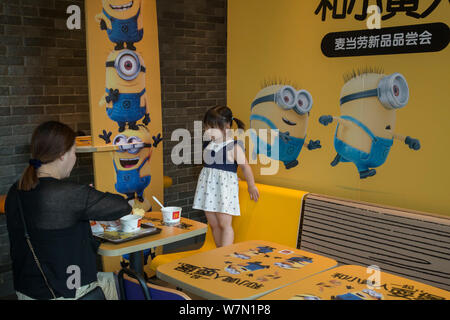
(215, 227)
(226, 228)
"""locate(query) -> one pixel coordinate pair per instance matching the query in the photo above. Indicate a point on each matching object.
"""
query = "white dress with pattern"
(217, 190)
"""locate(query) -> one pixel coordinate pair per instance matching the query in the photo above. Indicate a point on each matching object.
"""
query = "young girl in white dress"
(217, 190)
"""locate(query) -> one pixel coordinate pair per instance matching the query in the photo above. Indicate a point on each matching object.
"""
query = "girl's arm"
(248, 173)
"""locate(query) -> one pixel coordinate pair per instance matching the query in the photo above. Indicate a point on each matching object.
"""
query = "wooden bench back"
(410, 244)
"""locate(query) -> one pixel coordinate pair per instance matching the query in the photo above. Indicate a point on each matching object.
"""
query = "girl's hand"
(253, 192)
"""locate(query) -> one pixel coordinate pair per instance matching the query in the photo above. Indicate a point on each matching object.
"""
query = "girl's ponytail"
(239, 123)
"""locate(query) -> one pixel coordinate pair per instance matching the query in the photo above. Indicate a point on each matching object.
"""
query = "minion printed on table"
(242, 268)
(122, 20)
(130, 161)
(297, 262)
(365, 294)
(125, 98)
(365, 130)
(253, 253)
(283, 108)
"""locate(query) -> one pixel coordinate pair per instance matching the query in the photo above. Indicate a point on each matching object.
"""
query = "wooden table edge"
(157, 243)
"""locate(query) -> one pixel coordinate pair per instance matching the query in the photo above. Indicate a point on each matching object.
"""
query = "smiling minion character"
(122, 20)
(365, 130)
(134, 153)
(125, 96)
(284, 112)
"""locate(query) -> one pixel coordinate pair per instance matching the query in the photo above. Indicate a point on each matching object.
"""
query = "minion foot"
(119, 46)
(130, 196)
(121, 127)
(367, 173)
(130, 46)
(133, 126)
(291, 164)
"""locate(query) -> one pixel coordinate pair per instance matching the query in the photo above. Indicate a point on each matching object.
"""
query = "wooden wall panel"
(406, 243)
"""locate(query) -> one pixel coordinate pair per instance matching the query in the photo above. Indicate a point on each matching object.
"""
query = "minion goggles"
(288, 98)
(127, 65)
(392, 92)
(131, 145)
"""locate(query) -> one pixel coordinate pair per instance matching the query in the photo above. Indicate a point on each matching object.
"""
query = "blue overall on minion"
(364, 161)
(124, 30)
(130, 182)
(288, 147)
(127, 108)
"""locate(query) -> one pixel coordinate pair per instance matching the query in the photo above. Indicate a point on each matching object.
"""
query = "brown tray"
(120, 237)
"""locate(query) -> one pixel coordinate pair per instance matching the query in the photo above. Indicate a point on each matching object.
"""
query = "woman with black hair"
(48, 219)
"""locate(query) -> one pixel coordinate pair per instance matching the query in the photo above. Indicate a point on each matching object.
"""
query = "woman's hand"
(253, 192)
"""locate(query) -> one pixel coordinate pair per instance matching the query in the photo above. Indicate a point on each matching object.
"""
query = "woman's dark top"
(57, 215)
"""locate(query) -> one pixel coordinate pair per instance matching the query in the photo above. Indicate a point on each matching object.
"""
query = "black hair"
(219, 117)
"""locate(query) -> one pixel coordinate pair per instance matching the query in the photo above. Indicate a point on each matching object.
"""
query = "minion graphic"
(125, 98)
(297, 262)
(365, 294)
(253, 252)
(285, 112)
(365, 130)
(241, 268)
(305, 297)
(122, 20)
(135, 151)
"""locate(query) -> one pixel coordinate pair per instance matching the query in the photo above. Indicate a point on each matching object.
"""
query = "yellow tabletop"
(357, 283)
(186, 229)
(244, 270)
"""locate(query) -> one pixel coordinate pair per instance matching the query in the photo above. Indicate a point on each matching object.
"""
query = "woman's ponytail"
(29, 179)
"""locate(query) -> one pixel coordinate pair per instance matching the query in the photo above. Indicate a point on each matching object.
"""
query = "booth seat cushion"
(275, 217)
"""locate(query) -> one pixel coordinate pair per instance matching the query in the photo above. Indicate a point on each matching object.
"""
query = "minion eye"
(137, 145)
(286, 98)
(120, 139)
(134, 140)
(393, 91)
(128, 65)
(304, 102)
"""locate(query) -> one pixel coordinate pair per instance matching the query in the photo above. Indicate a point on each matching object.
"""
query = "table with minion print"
(357, 283)
(245, 270)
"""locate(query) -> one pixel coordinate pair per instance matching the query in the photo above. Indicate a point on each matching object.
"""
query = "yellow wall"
(99, 47)
(282, 39)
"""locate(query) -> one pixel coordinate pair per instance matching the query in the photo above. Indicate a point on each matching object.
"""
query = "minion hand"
(103, 25)
(146, 120)
(285, 136)
(157, 140)
(314, 145)
(326, 120)
(106, 136)
(113, 95)
(412, 143)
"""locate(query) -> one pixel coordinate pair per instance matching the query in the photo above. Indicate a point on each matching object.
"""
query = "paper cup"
(171, 215)
(130, 223)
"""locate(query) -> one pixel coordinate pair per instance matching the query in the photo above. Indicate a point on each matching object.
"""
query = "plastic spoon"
(157, 201)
